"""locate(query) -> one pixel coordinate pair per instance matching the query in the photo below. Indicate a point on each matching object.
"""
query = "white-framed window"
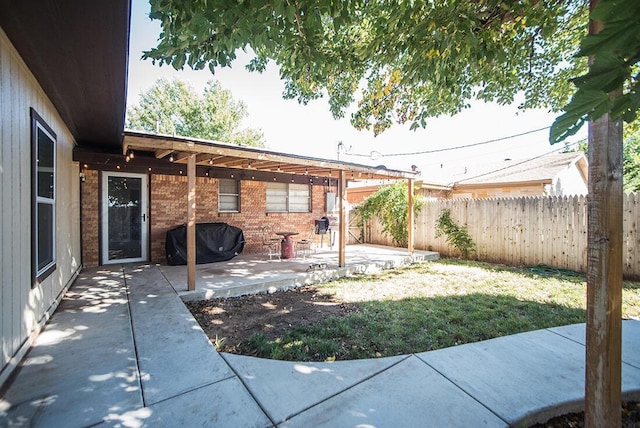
(43, 157)
(288, 197)
(228, 195)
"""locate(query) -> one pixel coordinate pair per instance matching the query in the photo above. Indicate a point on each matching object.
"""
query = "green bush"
(457, 236)
(390, 205)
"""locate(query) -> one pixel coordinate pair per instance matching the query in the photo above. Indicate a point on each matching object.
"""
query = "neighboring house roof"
(78, 52)
(543, 169)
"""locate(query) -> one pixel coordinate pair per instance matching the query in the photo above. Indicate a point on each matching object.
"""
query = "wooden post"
(604, 275)
(410, 219)
(191, 223)
(342, 238)
(603, 380)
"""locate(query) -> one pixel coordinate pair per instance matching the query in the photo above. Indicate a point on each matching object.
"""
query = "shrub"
(456, 235)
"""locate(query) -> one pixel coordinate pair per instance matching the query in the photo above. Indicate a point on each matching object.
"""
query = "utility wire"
(452, 148)
(564, 147)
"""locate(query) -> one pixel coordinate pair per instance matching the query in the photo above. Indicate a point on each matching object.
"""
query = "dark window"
(43, 152)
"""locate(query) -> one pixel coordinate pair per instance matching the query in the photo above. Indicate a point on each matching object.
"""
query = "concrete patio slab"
(409, 394)
(255, 273)
(81, 367)
(630, 336)
(117, 322)
(284, 389)
(222, 404)
(493, 373)
(174, 354)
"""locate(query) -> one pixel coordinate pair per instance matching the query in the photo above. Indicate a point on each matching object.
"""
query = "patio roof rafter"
(252, 158)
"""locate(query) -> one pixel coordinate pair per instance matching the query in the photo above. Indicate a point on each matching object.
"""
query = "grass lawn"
(436, 305)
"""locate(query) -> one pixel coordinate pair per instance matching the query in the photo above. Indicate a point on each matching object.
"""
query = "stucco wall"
(25, 309)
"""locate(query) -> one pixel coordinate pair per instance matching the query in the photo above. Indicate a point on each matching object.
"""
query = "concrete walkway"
(123, 350)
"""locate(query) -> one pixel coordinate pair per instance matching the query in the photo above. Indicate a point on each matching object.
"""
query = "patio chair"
(270, 243)
(303, 246)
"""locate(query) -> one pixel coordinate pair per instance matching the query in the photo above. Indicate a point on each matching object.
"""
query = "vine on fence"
(390, 206)
(456, 235)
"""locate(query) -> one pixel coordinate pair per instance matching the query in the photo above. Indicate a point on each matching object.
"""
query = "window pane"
(45, 164)
(124, 217)
(277, 197)
(299, 198)
(228, 203)
(228, 187)
(45, 234)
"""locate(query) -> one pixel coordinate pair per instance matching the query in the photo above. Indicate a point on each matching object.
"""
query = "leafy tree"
(390, 205)
(612, 85)
(424, 59)
(174, 107)
(631, 157)
(406, 62)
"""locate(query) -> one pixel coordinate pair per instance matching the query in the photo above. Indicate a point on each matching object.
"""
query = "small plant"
(457, 236)
(218, 342)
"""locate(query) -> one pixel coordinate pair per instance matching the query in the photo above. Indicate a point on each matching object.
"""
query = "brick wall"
(169, 205)
(168, 209)
(90, 218)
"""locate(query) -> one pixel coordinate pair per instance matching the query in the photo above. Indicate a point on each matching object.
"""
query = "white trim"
(104, 232)
(44, 200)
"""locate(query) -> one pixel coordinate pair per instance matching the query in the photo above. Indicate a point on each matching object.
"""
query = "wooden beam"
(156, 142)
(162, 153)
(182, 157)
(410, 219)
(342, 234)
(191, 223)
(603, 370)
(604, 275)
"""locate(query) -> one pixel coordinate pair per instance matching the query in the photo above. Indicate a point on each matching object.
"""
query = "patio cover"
(221, 159)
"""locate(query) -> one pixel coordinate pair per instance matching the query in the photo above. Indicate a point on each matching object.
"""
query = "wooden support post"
(410, 219)
(604, 275)
(191, 223)
(603, 379)
(342, 234)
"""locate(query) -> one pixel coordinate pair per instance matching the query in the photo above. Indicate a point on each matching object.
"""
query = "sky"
(311, 130)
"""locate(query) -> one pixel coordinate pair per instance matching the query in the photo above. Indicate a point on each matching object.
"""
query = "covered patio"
(255, 273)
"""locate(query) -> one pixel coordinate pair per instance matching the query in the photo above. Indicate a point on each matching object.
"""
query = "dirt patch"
(237, 318)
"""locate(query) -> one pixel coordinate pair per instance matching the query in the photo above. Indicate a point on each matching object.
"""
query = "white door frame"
(104, 226)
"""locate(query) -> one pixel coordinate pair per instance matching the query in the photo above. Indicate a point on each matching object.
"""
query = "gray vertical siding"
(24, 309)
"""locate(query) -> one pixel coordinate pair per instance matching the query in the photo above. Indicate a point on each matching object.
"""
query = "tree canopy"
(174, 107)
(404, 63)
(612, 84)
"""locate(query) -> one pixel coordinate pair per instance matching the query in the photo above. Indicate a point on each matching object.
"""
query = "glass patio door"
(124, 217)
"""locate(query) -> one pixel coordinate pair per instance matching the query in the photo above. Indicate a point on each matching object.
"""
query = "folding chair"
(270, 244)
(303, 246)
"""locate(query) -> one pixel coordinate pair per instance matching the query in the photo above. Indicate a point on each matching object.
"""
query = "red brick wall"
(168, 209)
(90, 218)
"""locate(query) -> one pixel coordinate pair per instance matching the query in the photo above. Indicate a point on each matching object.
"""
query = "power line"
(564, 147)
(451, 148)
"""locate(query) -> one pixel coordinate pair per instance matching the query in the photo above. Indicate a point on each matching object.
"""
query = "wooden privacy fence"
(522, 231)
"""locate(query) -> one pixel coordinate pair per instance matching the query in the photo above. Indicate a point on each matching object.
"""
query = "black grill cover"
(215, 242)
